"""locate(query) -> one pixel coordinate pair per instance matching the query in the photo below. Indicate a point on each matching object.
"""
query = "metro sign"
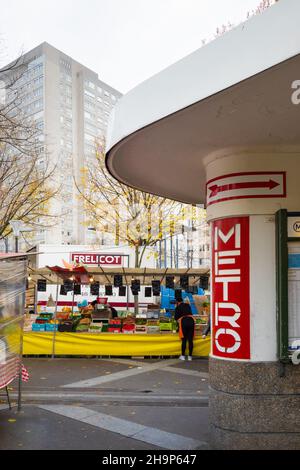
(230, 287)
(96, 259)
(259, 184)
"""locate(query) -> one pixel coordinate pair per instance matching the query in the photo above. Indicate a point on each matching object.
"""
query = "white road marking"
(141, 369)
(154, 436)
(195, 373)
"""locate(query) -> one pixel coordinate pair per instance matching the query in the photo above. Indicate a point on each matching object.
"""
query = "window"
(38, 92)
(89, 94)
(68, 90)
(89, 105)
(89, 138)
(38, 81)
(65, 64)
(90, 84)
(88, 115)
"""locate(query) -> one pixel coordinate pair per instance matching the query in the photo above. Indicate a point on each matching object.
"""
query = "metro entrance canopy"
(235, 92)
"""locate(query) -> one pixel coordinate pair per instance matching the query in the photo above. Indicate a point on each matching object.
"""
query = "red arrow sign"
(215, 189)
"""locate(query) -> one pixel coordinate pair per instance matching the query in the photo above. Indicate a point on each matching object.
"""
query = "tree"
(261, 7)
(133, 217)
(26, 176)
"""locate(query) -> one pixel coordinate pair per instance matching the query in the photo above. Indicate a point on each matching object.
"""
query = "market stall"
(90, 326)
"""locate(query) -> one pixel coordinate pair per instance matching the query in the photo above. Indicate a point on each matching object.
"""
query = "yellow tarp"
(106, 344)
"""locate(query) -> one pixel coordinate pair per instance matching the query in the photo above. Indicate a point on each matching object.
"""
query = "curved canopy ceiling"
(234, 92)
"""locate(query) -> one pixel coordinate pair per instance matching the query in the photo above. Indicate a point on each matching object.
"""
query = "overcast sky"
(124, 41)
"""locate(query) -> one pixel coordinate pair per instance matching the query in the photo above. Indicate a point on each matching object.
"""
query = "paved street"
(111, 404)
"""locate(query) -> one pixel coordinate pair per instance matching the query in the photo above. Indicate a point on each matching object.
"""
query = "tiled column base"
(254, 405)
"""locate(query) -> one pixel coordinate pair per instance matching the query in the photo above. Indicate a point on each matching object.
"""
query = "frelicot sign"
(96, 259)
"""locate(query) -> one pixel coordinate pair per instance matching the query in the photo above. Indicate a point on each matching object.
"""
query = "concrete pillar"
(254, 398)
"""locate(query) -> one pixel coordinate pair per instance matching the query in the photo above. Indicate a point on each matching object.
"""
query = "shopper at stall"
(186, 322)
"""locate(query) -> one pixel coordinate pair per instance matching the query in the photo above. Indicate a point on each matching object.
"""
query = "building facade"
(70, 106)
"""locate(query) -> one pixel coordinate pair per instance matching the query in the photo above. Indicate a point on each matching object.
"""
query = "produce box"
(41, 320)
(165, 319)
(152, 322)
(153, 329)
(82, 328)
(141, 329)
(51, 327)
(153, 314)
(114, 330)
(46, 315)
(165, 326)
(115, 322)
(95, 330)
(142, 315)
(62, 315)
(38, 327)
(65, 326)
(128, 327)
(140, 321)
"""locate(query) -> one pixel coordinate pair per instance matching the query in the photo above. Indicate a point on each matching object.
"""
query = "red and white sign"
(96, 259)
(230, 288)
(246, 185)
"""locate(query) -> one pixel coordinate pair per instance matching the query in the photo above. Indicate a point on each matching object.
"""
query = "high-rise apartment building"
(70, 106)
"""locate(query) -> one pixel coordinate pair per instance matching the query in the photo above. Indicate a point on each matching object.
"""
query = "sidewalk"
(112, 404)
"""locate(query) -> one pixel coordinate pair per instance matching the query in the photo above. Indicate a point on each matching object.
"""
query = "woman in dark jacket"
(186, 322)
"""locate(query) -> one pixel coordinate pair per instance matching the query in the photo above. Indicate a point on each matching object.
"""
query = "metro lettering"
(230, 275)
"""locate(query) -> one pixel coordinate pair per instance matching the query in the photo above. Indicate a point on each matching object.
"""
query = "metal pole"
(73, 301)
(159, 254)
(17, 244)
(8, 399)
(54, 332)
(127, 287)
(21, 339)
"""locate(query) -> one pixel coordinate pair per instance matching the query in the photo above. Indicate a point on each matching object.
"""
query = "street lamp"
(16, 226)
